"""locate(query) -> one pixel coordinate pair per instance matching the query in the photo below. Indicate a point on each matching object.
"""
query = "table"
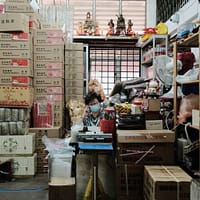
(94, 149)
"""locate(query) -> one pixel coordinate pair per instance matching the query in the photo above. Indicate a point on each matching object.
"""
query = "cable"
(186, 133)
(24, 190)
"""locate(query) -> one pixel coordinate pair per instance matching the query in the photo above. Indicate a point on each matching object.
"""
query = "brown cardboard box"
(15, 45)
(154, 124)
(74, 46)
(152, 104)
(60, 188)
(129, 182)
(17, 144)
(73, 75)
(19, 53)
(74, 54)
(14, 22)
(74, 97)
(48, 82)
(16, 80)
(54, 132)
(45, 65)
(16, 96)
(48, 41)
(16, 62)
(74, 68)
(49, 33)
(74, 83)
(23, 165)
(74, 90)
(144, 147)
(74, 61)
(49, 57)
(166, 182)
(49, 90)
(18, 8)
(14, 36)
(16, 71)
(49, 73)
(18, 1)
(145, 136)
(44, 97)
(52, 49)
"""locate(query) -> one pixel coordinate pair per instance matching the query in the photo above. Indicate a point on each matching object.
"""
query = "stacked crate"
(42, 153)
(74, 71)
(136, 148)
(48, 78)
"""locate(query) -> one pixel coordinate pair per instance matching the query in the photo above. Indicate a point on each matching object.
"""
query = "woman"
(94, 109)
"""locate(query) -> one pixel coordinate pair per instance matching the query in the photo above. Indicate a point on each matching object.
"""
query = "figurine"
(79, 30)
(111, 28)
(88, 27)
(129, 29)
(121, 27)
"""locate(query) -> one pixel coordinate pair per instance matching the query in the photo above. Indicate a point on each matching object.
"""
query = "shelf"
(104, 39)
(191, 41)
(159, 39)
(195, 127)
(188, 82)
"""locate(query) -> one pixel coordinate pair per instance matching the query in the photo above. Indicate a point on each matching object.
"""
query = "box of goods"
(54, 98)
(16, 71)
(16, 80)
(74, 54)
(154, 124)
(49, 33)
(73, 75)
(15, 45)
(74, 61)
(49, 90)
(22, 165)
(43, 114)
(52, 26)
(74, 68)
(16, 62)
(74, 46)
(195, 117)
(74, 97)
(18, 1)
(15, 53)
(52, 49)
(145, 147)
(58, 106)
(195, 189)
(74, 90)
(54, 132)
(17, 144)
(14, 22)
(41, 65)
(129, 182)
(48, 41)
(18, 8)
(48, 57)
(14, 36)
(152, 115)
(74, 83)
(166, 182)
(59, 188)
(16, 96)
(49, 73)
(152, 104)
(48, 82)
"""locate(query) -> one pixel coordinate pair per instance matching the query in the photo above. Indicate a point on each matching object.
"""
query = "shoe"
(170, 93)
(190, 75)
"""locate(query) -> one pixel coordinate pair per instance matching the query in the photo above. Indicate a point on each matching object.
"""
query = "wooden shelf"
(191, 41)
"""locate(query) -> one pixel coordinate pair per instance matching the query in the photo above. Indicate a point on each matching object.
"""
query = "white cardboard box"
(195, 117)
(154, 124)
(23, 165)
(17, 144)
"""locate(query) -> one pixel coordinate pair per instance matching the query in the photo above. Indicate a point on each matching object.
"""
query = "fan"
(163, 68)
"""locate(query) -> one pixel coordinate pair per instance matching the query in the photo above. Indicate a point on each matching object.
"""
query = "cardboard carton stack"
(166, 182)
(136, 148)
(48, 78)
(74, 71)
(42, 153)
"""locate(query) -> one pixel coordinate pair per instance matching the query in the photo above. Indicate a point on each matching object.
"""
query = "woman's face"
(94, 105)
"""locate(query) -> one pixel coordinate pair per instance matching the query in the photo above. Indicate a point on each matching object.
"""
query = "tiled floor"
(30, 188)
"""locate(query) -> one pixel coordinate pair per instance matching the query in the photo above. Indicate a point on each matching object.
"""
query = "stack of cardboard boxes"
(16, 88)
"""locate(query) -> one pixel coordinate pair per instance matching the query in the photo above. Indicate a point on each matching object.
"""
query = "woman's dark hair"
(91, 96)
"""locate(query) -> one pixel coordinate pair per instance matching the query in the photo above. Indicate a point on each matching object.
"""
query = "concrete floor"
(31, 188)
